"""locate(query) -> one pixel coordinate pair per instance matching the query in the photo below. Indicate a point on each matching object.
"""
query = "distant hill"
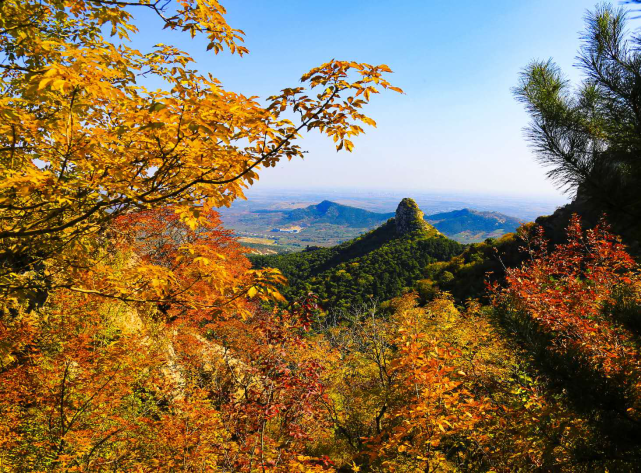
(469, 226)
(330, 223)
(465, 225)
(331, 212)
(380, 264)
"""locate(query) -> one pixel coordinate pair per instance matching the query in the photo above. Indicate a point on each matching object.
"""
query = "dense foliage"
(577, 307)
(435, 388)
(380, 264)
(134, 335)
(82, 140)
(188, 381)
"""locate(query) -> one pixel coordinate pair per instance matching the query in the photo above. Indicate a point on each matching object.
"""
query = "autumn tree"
(397, 393)
(189, 374)
(190, 274)
(576, 307)
(129, 335)
(82, 140)
(433, 405)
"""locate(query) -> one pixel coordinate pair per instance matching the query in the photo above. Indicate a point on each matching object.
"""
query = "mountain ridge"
(332, 212)
(465, 225)
(469, 226)
(396, 252)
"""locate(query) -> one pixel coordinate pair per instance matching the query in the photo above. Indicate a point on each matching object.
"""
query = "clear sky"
(457, 127)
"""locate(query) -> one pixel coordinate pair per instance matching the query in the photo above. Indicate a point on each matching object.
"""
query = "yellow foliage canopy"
(82, 140)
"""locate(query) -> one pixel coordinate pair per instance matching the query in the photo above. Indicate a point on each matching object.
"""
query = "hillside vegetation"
(136, 335)
(329, 223)
(380, 264)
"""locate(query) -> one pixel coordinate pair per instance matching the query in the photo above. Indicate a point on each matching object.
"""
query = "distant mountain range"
(380, 264)
(465, 225)
(468, 226)
(331, 212)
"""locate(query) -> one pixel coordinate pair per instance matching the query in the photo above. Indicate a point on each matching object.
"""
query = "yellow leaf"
(59, 84)
(349, 146)
(44, 82)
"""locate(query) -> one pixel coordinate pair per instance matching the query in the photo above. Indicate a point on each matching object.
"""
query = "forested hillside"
(318, 224)
(379, 265)
(136, 334)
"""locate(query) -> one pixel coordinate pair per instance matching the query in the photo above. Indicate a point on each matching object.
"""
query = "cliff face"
(555, 225)
(409, 217)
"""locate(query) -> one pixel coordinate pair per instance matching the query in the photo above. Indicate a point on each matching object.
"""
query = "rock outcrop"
(555, 225)
(409, 217)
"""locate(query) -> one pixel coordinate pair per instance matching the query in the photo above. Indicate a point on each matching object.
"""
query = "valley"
(270, 226)
(381, 264)
(180, 293)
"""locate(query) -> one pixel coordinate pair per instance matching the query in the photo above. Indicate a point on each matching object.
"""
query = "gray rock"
(409, 217)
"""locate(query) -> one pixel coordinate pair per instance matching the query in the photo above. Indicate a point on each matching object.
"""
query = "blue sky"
(457, 127)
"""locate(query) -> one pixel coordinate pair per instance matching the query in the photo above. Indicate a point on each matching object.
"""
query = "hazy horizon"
(524, 206)
(258, 189)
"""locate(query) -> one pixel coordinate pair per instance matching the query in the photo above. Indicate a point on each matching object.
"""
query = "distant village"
(287, 230)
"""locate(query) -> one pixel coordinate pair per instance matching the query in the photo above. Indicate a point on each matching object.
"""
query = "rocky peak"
(409, 217)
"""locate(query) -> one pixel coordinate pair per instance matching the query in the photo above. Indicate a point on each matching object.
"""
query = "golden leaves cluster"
(82, 140)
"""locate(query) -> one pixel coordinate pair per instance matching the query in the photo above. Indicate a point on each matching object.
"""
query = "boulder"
(409, 217)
